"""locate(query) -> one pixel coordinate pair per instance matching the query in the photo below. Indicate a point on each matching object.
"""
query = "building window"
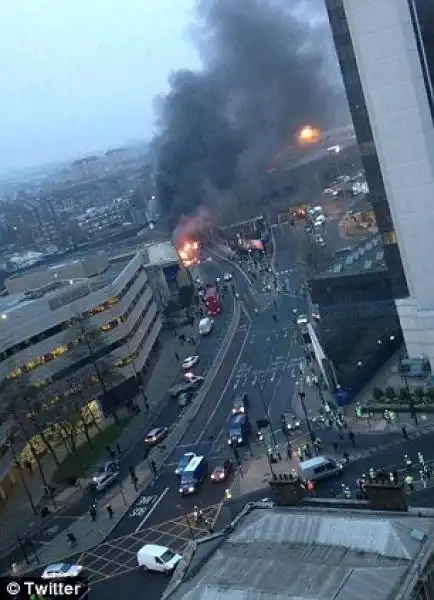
(64, 326)
(389, 238)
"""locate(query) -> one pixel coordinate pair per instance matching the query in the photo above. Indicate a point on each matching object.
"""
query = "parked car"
(105, 475)
(205, 326)
(190, 362)
(156, 435)
(192, 383)
(61, 571)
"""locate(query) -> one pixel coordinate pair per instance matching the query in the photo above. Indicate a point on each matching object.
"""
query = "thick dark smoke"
(265, 74)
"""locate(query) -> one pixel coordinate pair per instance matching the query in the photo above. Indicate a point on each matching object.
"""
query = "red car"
(221, 472)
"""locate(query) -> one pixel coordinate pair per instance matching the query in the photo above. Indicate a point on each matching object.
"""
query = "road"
(261, 361)
(168, 414)
(262, 356)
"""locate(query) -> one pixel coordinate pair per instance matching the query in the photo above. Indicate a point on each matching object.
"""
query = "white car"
(302, 320)
(228, 277)
(157, 558)
(205, 326)
(190, 362)
(330, 192)
(61, 570)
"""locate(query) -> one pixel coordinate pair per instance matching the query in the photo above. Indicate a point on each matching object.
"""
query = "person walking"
(92, 512)
(133, 477)
(352, 438)
(110, 512)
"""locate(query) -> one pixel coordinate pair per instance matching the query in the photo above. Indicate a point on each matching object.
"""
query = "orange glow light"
(309, 134)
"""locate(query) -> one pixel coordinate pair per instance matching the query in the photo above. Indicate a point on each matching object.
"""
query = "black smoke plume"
(266, 72)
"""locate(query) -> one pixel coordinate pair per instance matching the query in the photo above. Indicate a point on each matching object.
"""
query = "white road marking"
(146, 517)
(234, 368)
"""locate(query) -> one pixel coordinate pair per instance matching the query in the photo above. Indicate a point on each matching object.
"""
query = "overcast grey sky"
(79, 75)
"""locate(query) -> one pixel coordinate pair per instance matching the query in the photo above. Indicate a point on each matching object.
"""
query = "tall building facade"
(386, 53)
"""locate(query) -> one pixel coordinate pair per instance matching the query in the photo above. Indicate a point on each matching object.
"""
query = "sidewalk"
(18, 517)
(257, 472)
(87, 533)
(387, 376)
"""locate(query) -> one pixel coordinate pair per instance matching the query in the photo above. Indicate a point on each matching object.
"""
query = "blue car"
(184, 462)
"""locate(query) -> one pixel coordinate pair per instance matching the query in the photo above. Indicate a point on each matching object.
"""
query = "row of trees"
(46, 418)
(404, 395)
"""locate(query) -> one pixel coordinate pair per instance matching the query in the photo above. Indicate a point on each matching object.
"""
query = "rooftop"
(366, 257)
(12, 302)
(296, 554)
(161, 254)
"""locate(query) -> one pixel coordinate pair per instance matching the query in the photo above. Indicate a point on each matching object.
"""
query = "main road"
(262, 361)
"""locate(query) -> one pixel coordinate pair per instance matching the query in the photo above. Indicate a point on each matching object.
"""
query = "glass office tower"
(386, 53)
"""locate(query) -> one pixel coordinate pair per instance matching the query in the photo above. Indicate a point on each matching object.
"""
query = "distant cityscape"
(44, 212)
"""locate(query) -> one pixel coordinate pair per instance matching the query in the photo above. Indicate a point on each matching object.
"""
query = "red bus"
(211, 298)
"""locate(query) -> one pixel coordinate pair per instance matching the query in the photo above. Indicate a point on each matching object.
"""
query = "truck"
(211, 298)
(239, 430)
(193, 475)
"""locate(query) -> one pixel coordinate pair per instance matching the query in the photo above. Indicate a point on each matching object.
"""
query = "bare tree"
(21, 406)
(91, 344)
(26, 405)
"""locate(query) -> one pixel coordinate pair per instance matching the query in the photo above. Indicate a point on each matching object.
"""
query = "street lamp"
(302, 397)
(267, 413)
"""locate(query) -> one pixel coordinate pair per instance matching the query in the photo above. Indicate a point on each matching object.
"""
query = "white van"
(157, 558)
(319, 468)
(205, 326)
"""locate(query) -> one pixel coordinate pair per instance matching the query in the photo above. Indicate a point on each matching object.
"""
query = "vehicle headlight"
(191, 489)
(240, 440)
(212, 475)
(222, 476)
(242, 409)
(230, 442)
(180, 490)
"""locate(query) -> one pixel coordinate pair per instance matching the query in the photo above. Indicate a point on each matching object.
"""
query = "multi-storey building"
(58, 323)
(385, 50)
